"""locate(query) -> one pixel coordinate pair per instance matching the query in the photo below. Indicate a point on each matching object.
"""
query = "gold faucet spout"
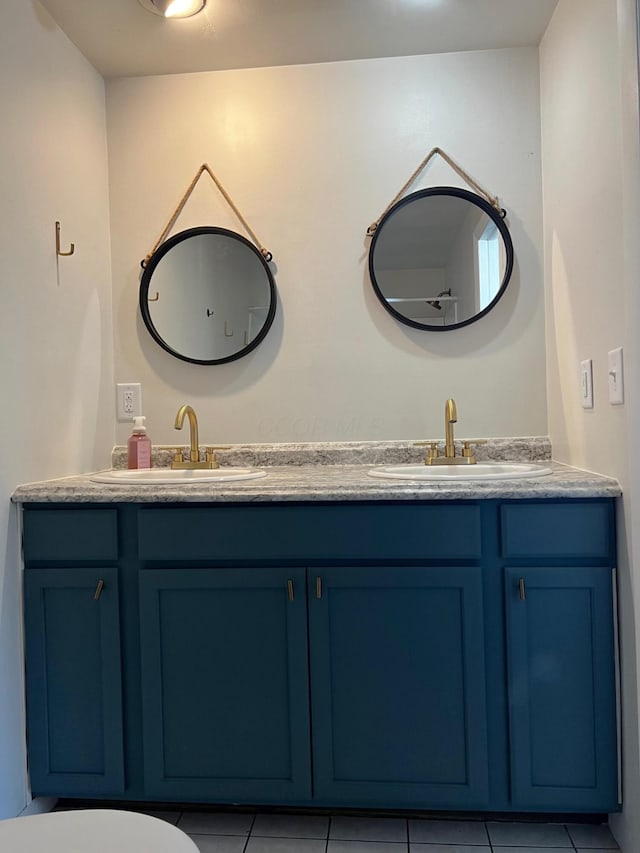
(194, 452)
(450, 418)
(467, 456)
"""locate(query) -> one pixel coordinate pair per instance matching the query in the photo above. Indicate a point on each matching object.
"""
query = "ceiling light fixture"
(174, 8)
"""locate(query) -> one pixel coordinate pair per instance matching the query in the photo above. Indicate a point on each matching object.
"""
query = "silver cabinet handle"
(318, 587)
(98, 592)
(522, 589)
(290, 590)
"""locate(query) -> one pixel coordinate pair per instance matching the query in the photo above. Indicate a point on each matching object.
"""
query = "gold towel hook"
(153, 298)
(72, 247)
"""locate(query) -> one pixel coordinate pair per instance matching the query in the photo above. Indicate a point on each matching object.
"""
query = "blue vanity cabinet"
(446, 654)
(398, 686)
(225, 708)
(560, 641)
(73, 680)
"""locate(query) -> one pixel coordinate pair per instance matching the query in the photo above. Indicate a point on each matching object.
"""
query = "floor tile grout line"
(246, 843)
(573, 844)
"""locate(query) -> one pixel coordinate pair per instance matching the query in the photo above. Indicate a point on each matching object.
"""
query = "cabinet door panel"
(225, 687)
(74, 707)
(562, 687)
(398, 694)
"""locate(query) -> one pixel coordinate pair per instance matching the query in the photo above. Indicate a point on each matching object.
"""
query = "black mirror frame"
(157, 256)
(497, 217)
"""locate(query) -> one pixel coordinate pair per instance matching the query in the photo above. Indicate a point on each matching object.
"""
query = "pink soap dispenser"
(139, 445)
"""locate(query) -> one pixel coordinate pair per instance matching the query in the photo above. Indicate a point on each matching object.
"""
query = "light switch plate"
(586, 384)
(616, 377)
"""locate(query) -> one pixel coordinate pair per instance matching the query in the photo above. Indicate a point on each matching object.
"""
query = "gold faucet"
(194, 453)
(210, 460)
(468, 456)
(450, 418)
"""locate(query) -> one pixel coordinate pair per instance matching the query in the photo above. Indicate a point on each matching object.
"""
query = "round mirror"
(440, 258)
(207, 296)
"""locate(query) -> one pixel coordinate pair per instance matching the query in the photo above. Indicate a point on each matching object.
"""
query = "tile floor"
(234, 832)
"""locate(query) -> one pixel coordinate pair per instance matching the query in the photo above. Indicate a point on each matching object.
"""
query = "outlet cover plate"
(128, 400)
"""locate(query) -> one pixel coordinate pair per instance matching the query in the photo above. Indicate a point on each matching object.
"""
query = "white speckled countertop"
(332, 472)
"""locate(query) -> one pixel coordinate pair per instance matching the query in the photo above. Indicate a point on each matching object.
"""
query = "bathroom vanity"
(319, 638)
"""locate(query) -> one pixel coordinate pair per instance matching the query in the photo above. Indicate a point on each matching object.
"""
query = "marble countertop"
(314, 482)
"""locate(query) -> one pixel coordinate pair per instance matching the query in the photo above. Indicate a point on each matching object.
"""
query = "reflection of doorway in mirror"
(490, 256)
(256, 320)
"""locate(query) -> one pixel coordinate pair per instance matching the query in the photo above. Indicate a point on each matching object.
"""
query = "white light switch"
(616, 377)
(586, 384)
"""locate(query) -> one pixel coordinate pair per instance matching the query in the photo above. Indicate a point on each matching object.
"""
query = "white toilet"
(92, 831)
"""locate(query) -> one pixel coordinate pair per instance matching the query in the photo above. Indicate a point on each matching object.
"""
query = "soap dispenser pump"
(139, 445)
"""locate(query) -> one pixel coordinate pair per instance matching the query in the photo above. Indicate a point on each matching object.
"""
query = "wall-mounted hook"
(209, 312)
(227, 333)
(153, 298)
(72, 247)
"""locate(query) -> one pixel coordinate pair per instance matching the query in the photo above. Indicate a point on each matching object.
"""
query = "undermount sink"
(457, 473)
(178, 477)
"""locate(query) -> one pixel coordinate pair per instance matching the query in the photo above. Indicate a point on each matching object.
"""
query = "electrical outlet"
(586, 384)
(129, 400)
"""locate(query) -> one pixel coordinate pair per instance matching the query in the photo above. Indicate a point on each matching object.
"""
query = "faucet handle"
(210, 453)
(178, 456)
(433, 448)
(467, 450)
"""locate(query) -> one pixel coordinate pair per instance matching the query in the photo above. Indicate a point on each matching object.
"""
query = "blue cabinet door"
(225, 684)
(397, 687)
(73, 679)
(560, 650)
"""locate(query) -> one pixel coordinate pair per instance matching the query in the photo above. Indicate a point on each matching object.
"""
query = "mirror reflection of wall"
(440, 258)
(207, 296)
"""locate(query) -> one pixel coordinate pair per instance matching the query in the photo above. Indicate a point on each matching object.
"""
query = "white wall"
(56, 365)
(590, 157)
(312, 155)
(584, 260)
(627, 825)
